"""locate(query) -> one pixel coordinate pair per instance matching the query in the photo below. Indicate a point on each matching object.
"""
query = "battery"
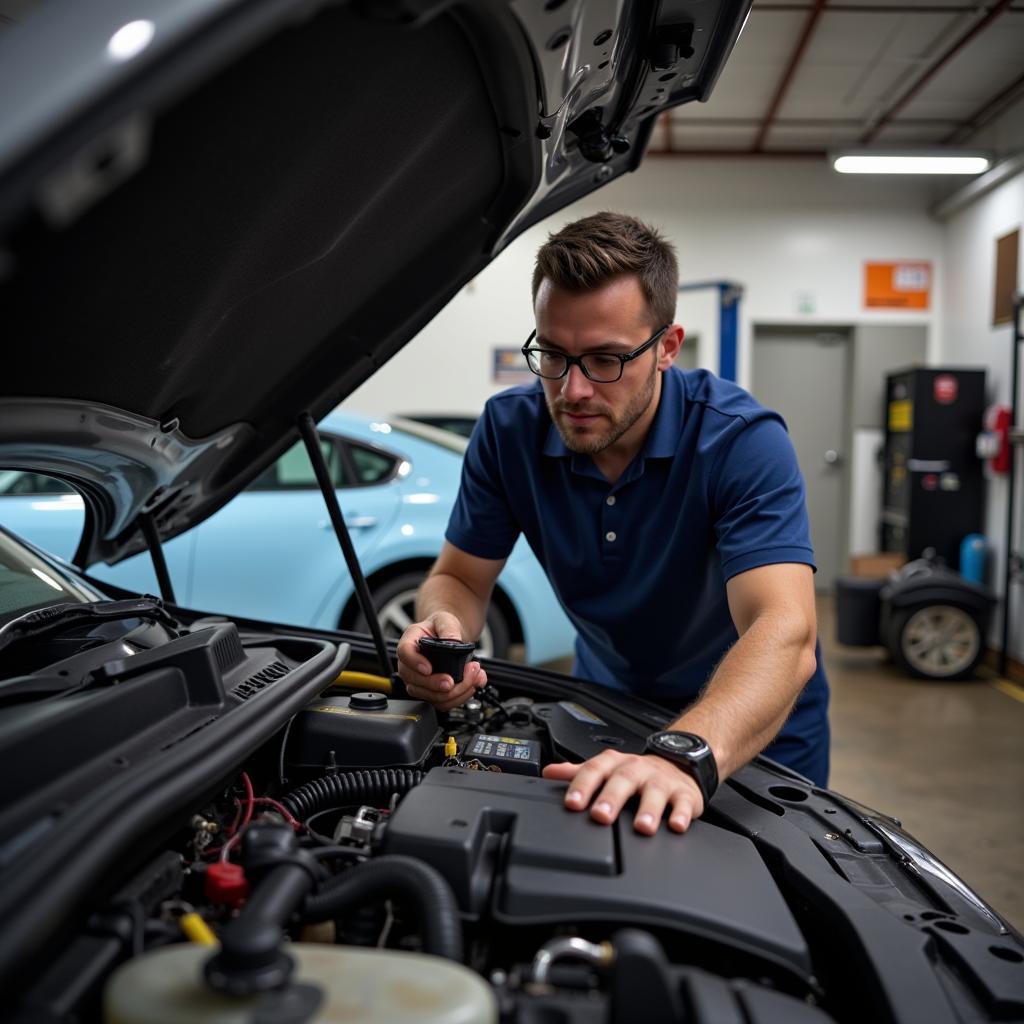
(509, 753)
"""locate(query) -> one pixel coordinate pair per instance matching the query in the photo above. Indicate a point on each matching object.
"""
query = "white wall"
(782, 229)
(967, 337)
(778, 227)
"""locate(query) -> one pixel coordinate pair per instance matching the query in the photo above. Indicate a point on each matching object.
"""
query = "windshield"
(28, 582)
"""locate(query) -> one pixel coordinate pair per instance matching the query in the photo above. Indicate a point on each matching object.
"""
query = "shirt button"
(610, 500)
(610, 535)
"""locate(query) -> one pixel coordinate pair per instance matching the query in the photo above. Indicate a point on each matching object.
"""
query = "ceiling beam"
(736, 154)
(796, 8)
(695, 124)
(933, 69)
(787, 75)
(987, 112)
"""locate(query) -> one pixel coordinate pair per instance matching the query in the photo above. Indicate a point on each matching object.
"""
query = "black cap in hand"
(446, 656)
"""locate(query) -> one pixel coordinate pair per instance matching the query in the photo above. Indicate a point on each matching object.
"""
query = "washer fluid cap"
(368, 701)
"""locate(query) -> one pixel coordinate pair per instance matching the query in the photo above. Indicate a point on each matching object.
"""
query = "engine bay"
(220, 822)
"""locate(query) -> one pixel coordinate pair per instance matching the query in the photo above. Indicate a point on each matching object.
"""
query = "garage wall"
(792, 232)
(967, 337)
(795, 235)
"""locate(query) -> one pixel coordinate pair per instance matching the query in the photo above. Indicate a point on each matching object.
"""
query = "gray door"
(802, 374)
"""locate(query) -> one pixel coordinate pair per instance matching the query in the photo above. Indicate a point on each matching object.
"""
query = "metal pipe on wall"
(1016, 426)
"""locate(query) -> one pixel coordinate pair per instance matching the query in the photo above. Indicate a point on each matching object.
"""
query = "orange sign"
(903, 285)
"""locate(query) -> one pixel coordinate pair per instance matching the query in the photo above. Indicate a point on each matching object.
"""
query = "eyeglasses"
(600, 367)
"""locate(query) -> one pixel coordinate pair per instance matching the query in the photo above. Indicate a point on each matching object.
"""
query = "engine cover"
(510, 849)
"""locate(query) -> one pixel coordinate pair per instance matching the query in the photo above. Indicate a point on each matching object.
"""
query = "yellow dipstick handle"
(363, 681)
(451, 748)
(197, 930)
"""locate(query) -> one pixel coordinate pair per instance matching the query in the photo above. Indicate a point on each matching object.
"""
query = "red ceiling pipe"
(787, 76)
(872, 133)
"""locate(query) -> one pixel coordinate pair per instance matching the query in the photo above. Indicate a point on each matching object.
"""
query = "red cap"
(225, 883)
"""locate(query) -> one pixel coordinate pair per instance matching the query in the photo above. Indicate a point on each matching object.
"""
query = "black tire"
(394, 600)
(936, 641)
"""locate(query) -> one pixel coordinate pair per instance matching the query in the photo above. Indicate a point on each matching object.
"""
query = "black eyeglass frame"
(570, 361)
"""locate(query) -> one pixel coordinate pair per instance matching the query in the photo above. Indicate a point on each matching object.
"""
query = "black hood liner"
(246, 222)
(210, 287)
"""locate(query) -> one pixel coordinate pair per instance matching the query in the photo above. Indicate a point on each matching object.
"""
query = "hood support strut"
(156, 552)
(311, 439)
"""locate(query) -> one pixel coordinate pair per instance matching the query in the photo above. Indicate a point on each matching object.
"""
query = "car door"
(271, 553)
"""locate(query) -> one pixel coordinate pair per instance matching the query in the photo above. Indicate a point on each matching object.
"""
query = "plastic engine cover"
(556, 866)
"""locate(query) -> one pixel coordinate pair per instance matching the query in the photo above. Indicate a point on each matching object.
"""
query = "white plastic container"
(376, 986)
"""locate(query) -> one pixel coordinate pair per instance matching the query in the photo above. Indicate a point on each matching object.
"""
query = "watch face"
(679, 742)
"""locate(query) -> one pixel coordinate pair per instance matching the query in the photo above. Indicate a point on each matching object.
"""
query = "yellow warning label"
(334, 709)
(901, 415)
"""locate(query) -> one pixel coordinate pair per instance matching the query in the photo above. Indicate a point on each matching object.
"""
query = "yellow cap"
(451, 747)
(197, 930)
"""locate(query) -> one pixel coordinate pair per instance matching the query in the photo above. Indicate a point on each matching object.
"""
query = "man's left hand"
(615, 777)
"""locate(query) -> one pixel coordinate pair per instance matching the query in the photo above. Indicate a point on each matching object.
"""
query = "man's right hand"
(414, 668)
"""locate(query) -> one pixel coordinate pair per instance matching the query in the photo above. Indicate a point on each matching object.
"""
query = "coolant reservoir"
(375, 986)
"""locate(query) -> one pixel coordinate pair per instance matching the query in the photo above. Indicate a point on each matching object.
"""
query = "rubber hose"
(364, 787)
(396, 877)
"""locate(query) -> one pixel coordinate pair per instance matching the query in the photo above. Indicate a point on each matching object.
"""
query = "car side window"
(294, 472)
(16, 483)
(371, 466)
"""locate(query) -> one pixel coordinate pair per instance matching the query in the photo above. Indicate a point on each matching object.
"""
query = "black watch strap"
(689, 752)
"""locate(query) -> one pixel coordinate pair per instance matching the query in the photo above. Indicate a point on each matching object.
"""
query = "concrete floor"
(945, 758)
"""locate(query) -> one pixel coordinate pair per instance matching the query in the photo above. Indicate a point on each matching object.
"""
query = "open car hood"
(217, 215)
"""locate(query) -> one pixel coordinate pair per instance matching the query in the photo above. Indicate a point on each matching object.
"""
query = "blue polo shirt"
(640, 566)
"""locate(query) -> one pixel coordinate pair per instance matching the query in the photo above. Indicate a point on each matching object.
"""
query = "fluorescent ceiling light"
(936, 162)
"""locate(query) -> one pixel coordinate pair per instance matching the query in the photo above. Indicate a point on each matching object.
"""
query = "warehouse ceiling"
(809, 76)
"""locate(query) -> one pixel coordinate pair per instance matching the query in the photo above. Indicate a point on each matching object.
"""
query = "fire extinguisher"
(994, 442)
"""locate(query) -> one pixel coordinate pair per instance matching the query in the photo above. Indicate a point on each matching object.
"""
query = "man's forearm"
(752, 691)
(441, 592)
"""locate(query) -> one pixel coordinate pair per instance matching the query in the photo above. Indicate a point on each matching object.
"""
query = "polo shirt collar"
(663, 437)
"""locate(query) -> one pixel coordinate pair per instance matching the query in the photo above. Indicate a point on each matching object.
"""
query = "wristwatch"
(690, 752)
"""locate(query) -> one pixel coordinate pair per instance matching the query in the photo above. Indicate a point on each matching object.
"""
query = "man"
(668, 511)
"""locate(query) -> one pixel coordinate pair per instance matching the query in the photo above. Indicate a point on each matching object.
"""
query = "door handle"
(832, 457)
(352, 522)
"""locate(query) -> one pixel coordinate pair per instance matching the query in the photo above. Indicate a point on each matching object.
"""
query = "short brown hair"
(588, 252)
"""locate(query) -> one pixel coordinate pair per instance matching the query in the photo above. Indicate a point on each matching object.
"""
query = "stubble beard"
(587, 440)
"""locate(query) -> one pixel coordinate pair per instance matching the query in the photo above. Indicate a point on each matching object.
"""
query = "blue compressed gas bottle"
(972, 558)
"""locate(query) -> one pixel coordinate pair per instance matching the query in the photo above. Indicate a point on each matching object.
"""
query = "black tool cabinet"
(934, 483)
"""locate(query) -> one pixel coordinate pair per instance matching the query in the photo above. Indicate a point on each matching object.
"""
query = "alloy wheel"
(940, 641)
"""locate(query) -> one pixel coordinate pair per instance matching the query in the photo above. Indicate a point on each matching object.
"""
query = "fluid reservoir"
(368, 986)
(363, 730)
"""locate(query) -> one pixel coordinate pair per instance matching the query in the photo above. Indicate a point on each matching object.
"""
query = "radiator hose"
(405, 879)
(362, 787)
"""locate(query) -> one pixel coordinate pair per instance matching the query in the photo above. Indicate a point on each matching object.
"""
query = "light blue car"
(272, 553)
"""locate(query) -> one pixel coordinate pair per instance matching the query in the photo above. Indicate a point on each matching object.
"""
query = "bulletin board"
(1007, 248)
